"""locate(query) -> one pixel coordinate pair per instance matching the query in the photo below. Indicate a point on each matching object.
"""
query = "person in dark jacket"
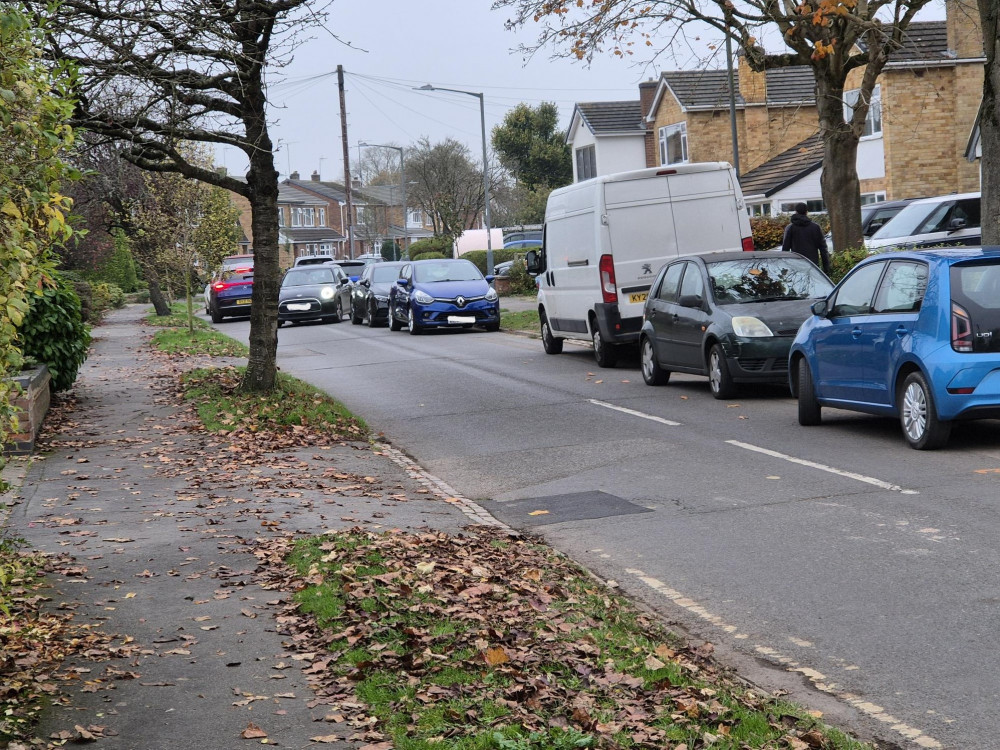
(804, 237)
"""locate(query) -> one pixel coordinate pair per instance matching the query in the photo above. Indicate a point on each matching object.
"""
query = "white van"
(605, 239)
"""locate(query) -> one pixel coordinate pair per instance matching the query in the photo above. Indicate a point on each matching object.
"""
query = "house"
(382, 219)
(923, 109)
(607, 137)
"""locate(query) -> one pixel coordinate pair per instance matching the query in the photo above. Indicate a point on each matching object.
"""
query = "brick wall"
(647, 92)
(32, 404)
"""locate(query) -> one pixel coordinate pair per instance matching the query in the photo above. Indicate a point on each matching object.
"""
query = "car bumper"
(444, 315)
(954, 402)
(233, 306)
(306, 309)
(763, 360)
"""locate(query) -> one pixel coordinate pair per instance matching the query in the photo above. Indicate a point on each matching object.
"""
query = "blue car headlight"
(748, 327)
(326, 292)
(422, 297)
(491, 295)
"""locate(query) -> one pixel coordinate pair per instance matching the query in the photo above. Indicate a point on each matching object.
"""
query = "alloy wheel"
(914, 411)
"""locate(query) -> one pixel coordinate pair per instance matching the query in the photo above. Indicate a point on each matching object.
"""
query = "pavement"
(156, 523)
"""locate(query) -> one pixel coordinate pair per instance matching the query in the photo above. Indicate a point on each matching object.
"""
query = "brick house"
(915, 141)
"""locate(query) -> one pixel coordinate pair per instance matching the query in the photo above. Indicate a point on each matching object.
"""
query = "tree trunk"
(262, 369)
(989, 123)
(841, 186)
(160, 303)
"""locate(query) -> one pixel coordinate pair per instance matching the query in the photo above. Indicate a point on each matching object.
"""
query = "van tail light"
(608, 286)
(961, 329)
(748, 244)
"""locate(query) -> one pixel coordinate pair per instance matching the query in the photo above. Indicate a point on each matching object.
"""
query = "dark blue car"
(912, 335)
(443, 294)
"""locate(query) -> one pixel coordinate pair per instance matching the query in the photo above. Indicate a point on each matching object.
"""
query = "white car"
(947, 220)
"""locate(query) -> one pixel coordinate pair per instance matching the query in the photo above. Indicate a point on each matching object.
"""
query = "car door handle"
(856, 333)
(902, 331)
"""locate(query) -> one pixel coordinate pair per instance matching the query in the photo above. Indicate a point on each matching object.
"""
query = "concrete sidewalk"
(159, 519)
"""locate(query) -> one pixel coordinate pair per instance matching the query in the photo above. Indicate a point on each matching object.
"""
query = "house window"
(586, 163)
(815, 206)
(414, 217)
(674, 144)
(321, 213)
(868, 198)
(281, 216)
(759, 209)
(360, 213)
(873, 123)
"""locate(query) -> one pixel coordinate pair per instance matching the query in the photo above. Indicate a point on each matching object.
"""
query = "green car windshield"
(764, 279)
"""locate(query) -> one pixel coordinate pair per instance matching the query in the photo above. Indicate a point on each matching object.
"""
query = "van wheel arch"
(605, 353)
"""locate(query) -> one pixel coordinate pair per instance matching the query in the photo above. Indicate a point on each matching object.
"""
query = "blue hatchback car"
(446, 293)
(913, 335)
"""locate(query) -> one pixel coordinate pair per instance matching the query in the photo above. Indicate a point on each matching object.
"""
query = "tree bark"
(989, 123)
(840, 183)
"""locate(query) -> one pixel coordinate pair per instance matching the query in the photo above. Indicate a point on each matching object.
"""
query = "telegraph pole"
(347, 162)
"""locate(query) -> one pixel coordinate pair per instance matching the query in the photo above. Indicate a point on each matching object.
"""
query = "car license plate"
(242, 302)
(638, 297)
(459, 320)
(304, 306)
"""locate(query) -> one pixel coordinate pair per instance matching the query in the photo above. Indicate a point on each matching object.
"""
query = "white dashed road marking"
(634, 413)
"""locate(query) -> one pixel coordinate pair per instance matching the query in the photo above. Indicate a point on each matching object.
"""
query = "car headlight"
(491, 295)
(749, 327)
(422, 297)
(326, 292)
(381, 297)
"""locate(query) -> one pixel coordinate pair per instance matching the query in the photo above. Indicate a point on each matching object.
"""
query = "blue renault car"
(443, 293)
(912, 335)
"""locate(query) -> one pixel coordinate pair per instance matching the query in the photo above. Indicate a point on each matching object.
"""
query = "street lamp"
(486, 178)
(402, 179)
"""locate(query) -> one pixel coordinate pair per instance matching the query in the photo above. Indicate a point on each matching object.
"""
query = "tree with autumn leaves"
(833, 37)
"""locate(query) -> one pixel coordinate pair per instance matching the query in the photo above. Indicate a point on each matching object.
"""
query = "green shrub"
(430, 256)
(521, 282)
(768, 231)
(106, 296)
(441, 245)
(84, 290)
(119, 267)
(842, 262)
(54, 332)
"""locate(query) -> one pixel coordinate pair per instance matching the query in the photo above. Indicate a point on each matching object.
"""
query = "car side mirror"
(691, 300)
(820, 308)
(489, 279)
(533, 262)
(401, 282)
(957, 223)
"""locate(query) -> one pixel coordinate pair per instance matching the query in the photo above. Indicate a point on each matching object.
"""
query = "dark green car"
(731, 316)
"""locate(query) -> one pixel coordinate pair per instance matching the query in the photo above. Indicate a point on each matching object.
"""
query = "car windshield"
(308, 276)
(764, 279)
(384, 275)
(922, 218)
(456, 270)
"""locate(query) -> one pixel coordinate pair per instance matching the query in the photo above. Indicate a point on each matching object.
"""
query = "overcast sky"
(397, 45)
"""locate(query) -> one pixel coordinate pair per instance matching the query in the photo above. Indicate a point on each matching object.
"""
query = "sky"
(395, 46)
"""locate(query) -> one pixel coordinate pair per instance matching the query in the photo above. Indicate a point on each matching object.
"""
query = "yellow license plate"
(638, 297)
(247, 302)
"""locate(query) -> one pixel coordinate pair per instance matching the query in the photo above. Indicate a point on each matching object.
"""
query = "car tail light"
(961, 329)
(608, 286)
(219, 286)
(747, 244)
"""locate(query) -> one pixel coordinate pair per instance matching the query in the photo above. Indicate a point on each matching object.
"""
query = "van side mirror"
(534, 262)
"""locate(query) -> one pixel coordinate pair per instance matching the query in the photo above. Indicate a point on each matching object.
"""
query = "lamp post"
(402, 179)
(486, 177)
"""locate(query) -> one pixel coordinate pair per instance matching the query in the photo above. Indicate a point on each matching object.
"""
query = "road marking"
(817, 679)
(634, 413)
(823, 467)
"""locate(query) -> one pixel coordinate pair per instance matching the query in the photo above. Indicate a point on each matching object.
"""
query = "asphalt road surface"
(835, 561)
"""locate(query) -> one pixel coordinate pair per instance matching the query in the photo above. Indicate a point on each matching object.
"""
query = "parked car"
(932, 222)
(503, 269)
(313, 260)
(230, 293)
(522, 244)
(443, 294)
(912, 335)
(352, 268)
(731, 316)
(243, 261)
(370, 295)
(314, 293)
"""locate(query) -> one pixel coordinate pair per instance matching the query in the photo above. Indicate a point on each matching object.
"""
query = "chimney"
(751, 84)
(315, 176)
(647, 92)
(965, 32)
(293, 176)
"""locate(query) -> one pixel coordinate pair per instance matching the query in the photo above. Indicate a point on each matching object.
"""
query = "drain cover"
(576, 506)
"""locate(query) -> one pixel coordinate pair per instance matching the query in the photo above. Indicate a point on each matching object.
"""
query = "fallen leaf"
(253, 732)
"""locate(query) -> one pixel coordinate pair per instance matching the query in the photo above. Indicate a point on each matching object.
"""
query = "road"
(833, 561)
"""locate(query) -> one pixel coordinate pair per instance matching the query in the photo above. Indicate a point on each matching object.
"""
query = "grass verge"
(199, 341)
(292, 409)
(524, 320)
(490, 641)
